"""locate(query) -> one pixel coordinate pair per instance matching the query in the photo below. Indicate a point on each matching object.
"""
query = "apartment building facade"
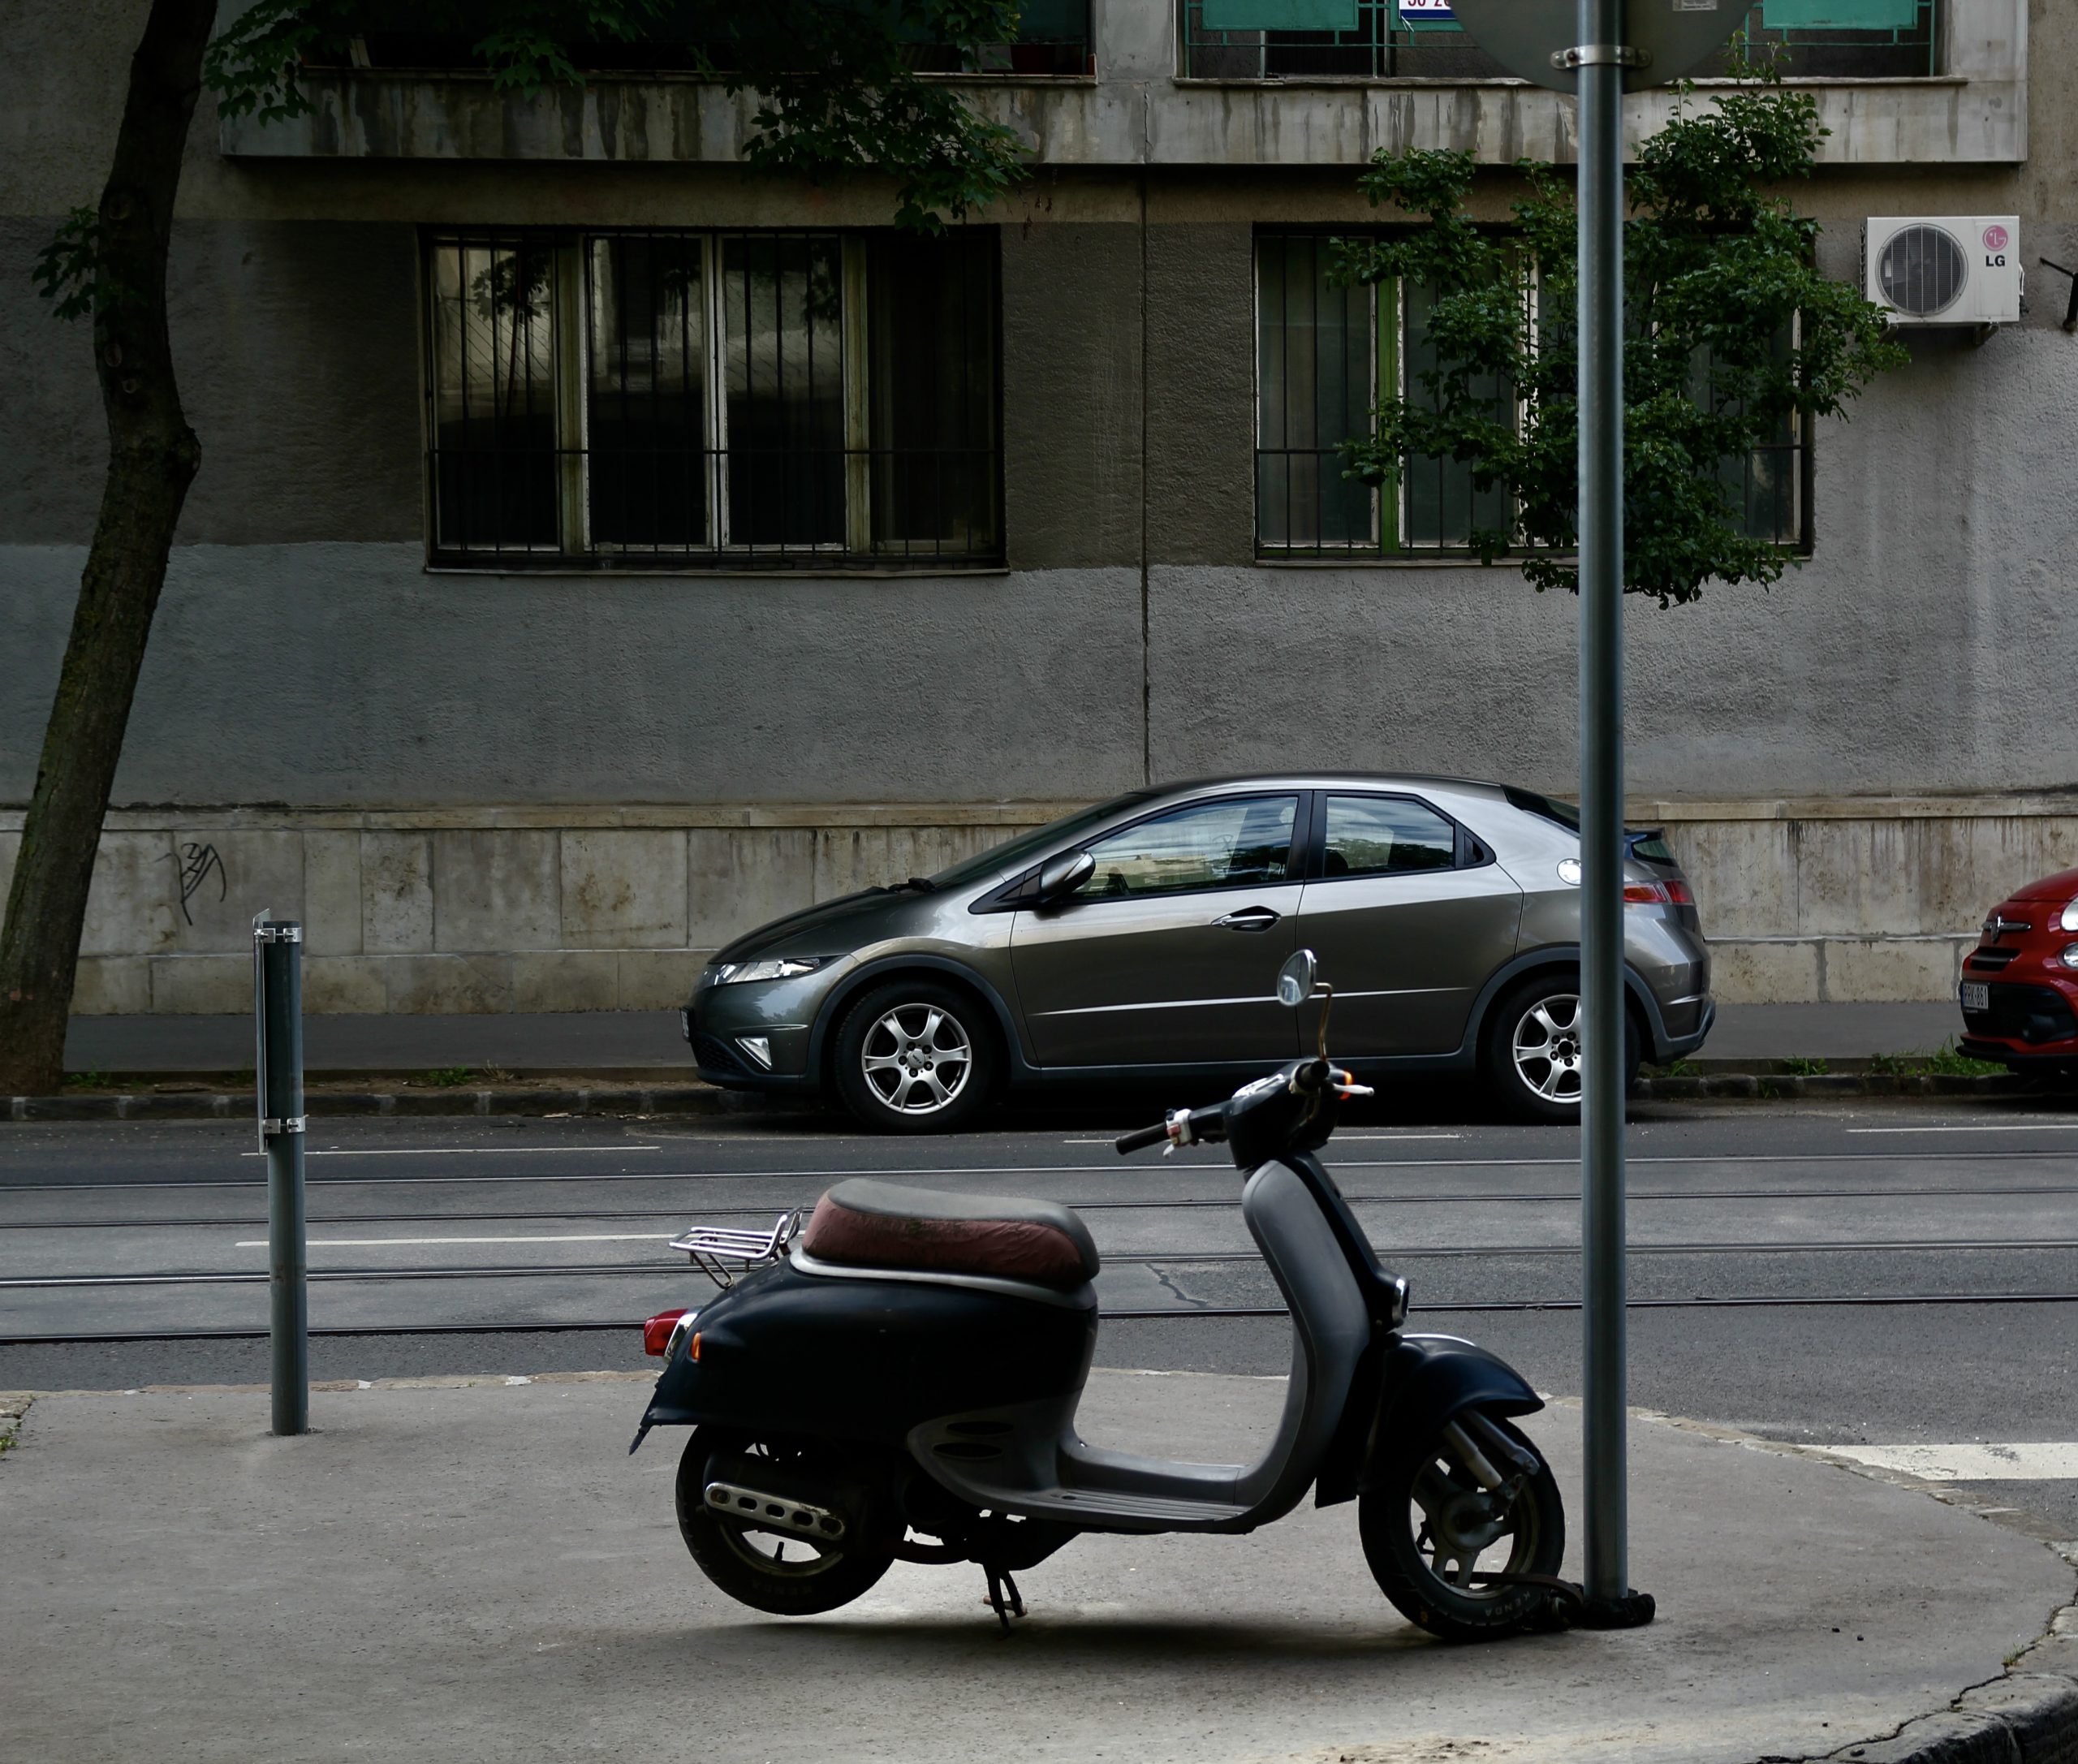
(600, 547)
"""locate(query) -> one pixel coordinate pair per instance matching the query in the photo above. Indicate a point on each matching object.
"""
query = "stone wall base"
(616, 908)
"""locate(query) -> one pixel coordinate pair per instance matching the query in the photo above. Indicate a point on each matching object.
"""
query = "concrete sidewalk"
(646, 1042)
(469, 1571)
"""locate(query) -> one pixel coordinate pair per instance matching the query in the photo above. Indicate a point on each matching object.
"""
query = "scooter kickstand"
(999, 1583)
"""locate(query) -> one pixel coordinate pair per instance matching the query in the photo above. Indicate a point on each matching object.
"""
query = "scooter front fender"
(1418, 1383)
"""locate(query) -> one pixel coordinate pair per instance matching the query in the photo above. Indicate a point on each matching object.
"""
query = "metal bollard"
(277, 1067)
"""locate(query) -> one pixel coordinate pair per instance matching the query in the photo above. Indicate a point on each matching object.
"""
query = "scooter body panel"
(1027, 1459)
(785, 1354)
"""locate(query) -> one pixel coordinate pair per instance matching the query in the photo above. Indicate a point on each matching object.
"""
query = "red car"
(2019, 994)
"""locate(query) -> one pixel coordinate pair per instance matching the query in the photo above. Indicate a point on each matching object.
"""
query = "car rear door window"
(1386, 836)
(1228, 842)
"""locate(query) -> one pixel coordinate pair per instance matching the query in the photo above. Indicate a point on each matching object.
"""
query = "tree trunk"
(153, 458)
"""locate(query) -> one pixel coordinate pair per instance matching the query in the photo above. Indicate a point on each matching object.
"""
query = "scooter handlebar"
(1184, 1127)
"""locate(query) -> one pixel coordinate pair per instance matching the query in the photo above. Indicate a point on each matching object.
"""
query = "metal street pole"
(1607, 1582)
(277, 1013)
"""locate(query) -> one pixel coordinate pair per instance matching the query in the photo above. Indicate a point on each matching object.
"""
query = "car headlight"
(2069, 955)
(2068, 918)
(773, 967)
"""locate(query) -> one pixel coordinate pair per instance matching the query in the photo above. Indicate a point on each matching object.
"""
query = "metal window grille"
(1817, 39)
(1325, 358)
(683, 399)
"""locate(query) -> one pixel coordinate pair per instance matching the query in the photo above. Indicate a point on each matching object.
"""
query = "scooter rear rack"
(712, 1247)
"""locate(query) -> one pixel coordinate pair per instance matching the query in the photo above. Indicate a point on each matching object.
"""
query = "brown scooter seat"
(864, 1223)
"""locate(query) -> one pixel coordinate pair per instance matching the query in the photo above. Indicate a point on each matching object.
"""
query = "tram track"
(1149, 1313)
(257, 1183)
(1496, 1197)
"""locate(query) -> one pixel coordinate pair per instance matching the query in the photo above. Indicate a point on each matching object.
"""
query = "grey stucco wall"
(1924, 648)
(296, 349)
(384, 684)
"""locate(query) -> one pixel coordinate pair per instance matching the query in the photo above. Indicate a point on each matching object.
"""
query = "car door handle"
(1249, 919)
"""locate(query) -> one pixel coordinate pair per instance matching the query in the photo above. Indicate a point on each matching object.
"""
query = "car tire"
(1530, 1052)
(915, 1056)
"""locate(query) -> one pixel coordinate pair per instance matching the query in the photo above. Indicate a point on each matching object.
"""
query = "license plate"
(1976, 995)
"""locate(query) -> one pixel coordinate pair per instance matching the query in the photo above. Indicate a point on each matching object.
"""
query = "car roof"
(1352, 780)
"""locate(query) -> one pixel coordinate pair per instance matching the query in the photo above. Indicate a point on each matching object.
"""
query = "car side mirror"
(1296, 979)
(1062, 875)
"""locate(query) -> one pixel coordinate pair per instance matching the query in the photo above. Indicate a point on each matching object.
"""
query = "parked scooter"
(898, 1381)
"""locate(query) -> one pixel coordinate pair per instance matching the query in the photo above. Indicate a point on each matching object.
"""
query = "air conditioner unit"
(1943, 269)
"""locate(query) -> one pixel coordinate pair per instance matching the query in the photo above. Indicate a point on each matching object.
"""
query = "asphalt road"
(1877, 1274)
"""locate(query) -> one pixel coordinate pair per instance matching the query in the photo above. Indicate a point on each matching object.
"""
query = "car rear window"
(1648, 847)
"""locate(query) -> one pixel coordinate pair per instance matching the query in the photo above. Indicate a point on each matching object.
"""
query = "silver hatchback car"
(1142, 938)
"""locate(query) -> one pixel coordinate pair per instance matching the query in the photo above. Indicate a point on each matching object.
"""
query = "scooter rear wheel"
(1431, 1533)
(780, 1572)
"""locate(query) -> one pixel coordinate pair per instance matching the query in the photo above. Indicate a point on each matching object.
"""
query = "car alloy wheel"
(917, 1058)
(1533, 1049)
(1546, 1047)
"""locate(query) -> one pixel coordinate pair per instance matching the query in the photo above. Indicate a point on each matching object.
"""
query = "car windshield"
(1012, 854)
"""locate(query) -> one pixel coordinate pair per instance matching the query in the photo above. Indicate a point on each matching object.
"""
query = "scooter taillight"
(656, 1332)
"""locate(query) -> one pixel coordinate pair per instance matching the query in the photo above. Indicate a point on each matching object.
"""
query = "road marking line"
(456, 1151)
(1341, 1139)
(2047, 1460)
(2010, 1127)
(395, 1243)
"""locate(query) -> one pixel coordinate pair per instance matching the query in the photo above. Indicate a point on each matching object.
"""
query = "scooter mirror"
(1064, 874)
(1296, 978)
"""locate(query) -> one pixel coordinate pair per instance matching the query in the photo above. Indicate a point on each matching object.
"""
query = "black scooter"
(899, 1381)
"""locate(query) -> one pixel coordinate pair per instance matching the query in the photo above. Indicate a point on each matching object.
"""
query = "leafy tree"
(837, 88)
(1731, 332)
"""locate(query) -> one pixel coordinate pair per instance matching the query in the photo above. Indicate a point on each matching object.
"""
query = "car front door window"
(1241, 843)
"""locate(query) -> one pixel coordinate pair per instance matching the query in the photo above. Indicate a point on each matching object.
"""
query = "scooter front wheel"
(768, 1569)
(1444, 1548)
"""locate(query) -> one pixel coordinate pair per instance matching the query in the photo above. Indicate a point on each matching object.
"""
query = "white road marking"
(455, 1151)
(1340, 1139)
(2007, 1127)
(394, 1243)
(2045, 1461)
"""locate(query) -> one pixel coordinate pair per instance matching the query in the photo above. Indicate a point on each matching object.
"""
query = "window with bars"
(686, 399)
(1326, 357)
(1385, 40)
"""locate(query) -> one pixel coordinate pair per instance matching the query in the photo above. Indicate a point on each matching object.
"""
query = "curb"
(227, 1105)
(1774, 1086)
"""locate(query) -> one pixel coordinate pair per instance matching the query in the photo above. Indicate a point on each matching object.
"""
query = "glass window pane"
(1441, 506)
(493, 417)
(931, 308)
(1207, 845)
(646, 409)
(1386, 836)
(1313, 391)
(782, 329)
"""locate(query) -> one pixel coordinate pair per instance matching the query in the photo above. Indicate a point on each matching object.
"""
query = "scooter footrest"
(1105, 1510)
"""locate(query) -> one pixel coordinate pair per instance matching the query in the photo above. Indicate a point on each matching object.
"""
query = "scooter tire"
(1392, 1525)
(740, 1567)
